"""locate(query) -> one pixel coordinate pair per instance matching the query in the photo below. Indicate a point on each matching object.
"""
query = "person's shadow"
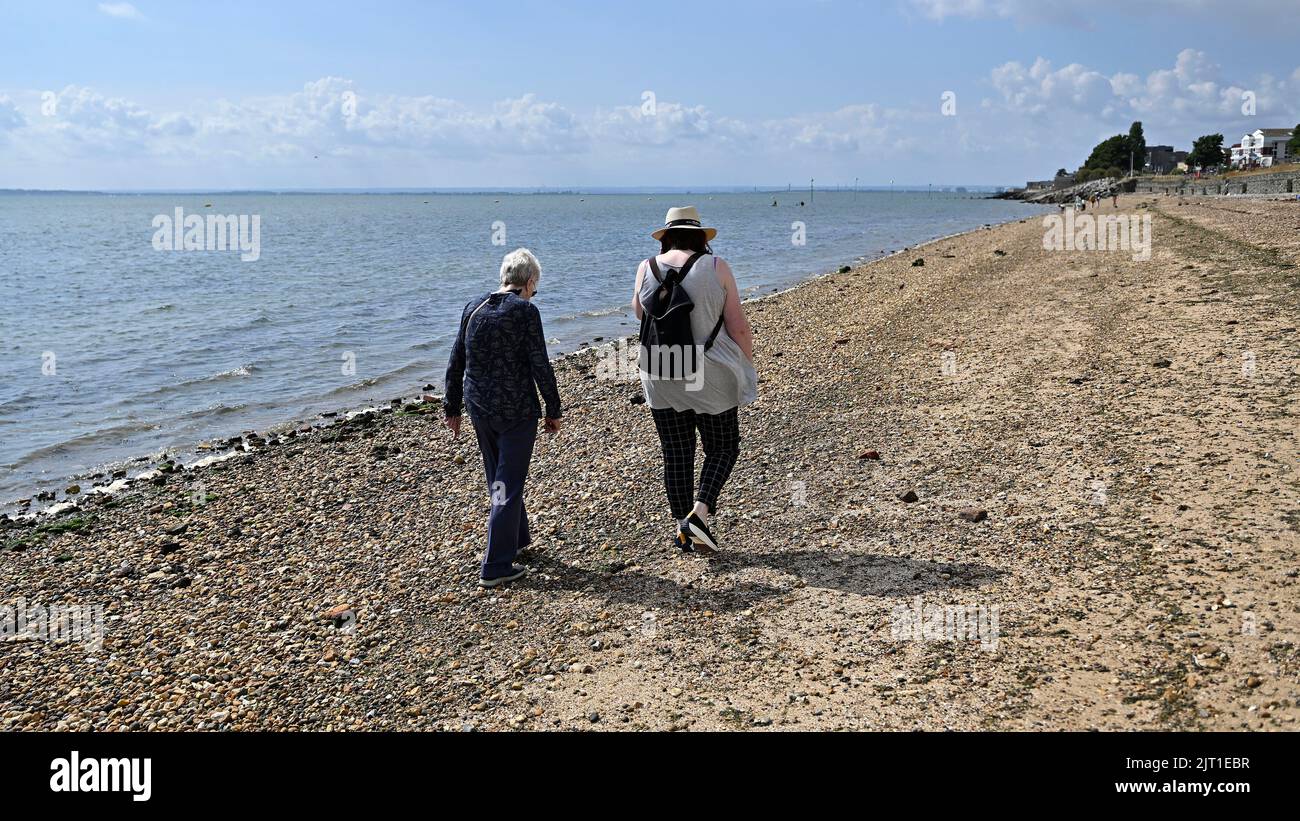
(868, 574)
(632, 586)
(864, 574)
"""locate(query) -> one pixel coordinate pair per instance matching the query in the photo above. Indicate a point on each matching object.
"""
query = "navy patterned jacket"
(499, 355)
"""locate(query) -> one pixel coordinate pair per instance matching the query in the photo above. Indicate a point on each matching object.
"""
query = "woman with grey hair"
(498, 364)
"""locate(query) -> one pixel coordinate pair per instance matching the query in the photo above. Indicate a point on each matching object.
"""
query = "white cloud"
(333, 118)
(125, 11)
(331, 113)
(1039, 88)
(668, 124)
(1037, 115)
(1098, 14)
(1192, 95)
(10, 116)
(855, 128)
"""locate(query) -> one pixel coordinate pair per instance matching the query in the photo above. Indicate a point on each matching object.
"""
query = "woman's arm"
(636, 292)
(733, 314)
(540, 364)
(454, 379)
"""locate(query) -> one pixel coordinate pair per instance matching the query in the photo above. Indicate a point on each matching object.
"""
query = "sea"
(132, 325)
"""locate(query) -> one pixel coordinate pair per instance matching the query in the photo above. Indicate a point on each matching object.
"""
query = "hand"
(552, 425)
(453, 422)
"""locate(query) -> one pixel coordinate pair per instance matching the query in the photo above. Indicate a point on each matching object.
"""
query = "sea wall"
(1100, 188)
(1281, 182)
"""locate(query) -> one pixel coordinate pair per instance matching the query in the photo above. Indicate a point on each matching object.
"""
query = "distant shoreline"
(946, 188)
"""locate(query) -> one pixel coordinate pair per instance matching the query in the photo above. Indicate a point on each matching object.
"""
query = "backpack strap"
(465, 325)
(681, 274)
(713, 337)
(717, 327)
(686, 269)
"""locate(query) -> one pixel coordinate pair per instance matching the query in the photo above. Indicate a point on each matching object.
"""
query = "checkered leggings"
(720, 435)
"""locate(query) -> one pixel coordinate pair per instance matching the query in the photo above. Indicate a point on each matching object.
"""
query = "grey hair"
(518, 267)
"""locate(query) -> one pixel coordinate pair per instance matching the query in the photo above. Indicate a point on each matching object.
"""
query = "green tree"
(1061, 172)
(1293, 145)
(1137, 143)
(1112, 151)
(1207, 152)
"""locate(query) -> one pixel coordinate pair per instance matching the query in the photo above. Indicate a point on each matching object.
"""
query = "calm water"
(110, 349)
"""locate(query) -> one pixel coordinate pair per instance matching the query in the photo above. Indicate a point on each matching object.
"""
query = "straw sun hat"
(684, 217)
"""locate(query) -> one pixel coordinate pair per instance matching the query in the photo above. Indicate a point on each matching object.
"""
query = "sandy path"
(1141, 519)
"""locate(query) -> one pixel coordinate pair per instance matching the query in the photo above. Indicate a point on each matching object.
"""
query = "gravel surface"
(1095, 470)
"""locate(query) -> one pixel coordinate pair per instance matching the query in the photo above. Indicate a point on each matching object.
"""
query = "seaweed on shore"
(41, 532)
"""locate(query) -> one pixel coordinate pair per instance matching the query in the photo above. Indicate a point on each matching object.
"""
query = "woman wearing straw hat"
(705, 404)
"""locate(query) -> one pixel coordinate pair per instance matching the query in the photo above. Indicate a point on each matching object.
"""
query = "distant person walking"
(717, 374)
(497, 365)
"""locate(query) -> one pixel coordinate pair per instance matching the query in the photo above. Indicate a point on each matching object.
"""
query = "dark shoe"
(682, 541)
(698, 532)
(516, 572)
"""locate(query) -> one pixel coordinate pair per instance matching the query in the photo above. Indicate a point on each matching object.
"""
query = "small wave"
(594, 313)
(242, 370)
(355, 386)
(385, 377)
(84, 440)
(18, 403)
(247, 369)
(256, 322)
(219, 409)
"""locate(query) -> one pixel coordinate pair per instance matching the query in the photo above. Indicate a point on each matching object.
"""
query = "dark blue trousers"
(507, 451)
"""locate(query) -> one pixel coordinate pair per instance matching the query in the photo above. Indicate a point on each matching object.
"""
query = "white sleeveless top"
(726, 378)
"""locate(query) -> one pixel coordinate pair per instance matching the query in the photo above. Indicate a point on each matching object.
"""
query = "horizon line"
(528, 189)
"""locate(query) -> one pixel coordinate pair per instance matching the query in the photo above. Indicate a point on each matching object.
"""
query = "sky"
(283, 94)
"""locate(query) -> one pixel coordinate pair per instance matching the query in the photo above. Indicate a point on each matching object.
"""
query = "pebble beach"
(1098, 451)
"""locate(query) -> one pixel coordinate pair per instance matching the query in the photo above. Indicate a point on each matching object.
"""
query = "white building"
(1263, 147)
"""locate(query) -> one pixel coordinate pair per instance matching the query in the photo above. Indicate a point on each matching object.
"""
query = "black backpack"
(666, 335)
